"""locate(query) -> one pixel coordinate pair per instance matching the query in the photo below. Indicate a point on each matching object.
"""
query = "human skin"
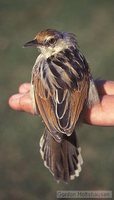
(101, 114)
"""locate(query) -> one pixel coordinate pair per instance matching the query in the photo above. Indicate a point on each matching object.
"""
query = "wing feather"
(78, 99)
(46, 110)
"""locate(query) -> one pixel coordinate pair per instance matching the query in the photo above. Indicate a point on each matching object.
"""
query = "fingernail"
(15, 96)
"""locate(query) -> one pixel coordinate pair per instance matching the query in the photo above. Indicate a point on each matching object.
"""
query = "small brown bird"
(61, 86)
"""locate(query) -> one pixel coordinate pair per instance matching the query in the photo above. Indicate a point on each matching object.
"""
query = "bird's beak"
(31, 43)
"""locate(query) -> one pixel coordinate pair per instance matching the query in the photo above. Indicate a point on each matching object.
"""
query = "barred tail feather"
(62, 159)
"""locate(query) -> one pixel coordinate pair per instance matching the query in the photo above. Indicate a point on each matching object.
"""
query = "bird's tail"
(62, 159)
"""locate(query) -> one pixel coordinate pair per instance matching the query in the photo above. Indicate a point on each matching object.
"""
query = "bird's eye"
(52, 41)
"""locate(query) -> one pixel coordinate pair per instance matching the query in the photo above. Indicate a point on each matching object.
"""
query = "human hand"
(101, 114)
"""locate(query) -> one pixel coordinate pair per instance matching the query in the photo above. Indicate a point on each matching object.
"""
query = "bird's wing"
(60, 109)
(45, 106)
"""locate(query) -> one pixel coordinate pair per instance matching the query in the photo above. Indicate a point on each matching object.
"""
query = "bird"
(61, 87)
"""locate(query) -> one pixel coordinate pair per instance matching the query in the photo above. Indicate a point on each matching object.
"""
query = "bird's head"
(51, 41)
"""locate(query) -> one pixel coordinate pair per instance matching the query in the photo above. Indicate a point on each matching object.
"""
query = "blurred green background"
(22, 174)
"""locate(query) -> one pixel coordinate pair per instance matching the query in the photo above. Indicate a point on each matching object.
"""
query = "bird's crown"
(48, 36)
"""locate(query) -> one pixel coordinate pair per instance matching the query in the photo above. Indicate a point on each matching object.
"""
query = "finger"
(101, 114)
(24, 88)
(21, 102)
(105, 87)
